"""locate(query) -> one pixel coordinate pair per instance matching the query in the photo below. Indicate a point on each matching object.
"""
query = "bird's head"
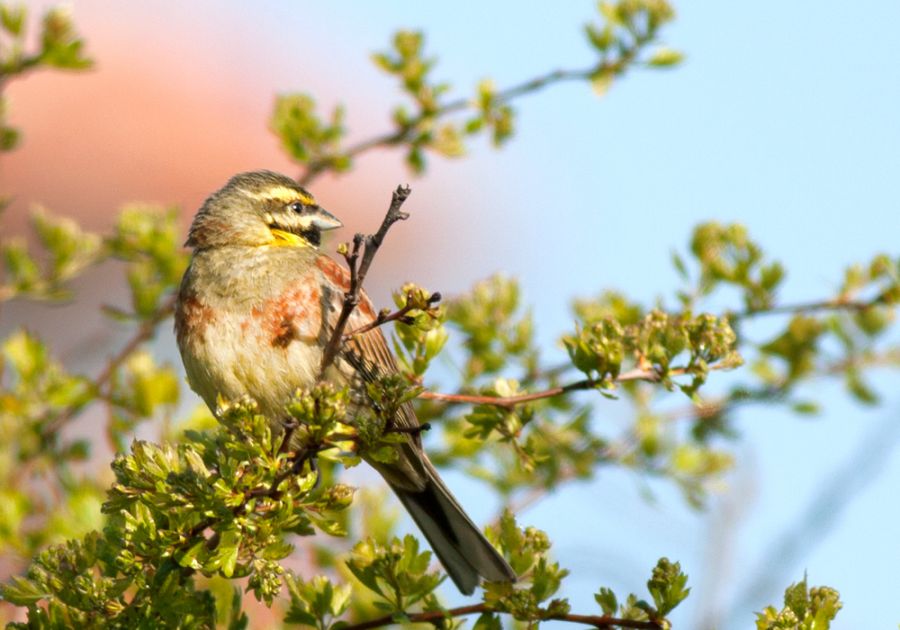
(257, 209)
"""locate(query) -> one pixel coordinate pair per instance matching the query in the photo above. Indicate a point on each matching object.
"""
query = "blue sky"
(783, 117)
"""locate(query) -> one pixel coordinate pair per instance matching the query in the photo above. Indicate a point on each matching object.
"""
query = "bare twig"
(597, 621)
(369, 245)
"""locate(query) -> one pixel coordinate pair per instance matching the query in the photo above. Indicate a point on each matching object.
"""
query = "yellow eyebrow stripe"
(282, 193)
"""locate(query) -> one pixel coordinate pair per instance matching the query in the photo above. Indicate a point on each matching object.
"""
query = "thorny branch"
(604, 622)
(358, 270)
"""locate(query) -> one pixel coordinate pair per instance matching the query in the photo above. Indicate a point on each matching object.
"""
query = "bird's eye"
(297, 207)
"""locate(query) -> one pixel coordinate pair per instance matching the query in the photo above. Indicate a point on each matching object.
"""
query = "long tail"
(459, 544)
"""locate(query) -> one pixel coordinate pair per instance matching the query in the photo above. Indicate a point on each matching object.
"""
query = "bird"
(255, 309)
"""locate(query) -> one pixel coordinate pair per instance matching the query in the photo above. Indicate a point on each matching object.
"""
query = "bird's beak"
(324, 220)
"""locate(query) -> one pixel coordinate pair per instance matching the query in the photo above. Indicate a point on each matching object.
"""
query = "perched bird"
(256, 308)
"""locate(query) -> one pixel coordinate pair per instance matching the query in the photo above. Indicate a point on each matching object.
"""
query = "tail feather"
(458, 543)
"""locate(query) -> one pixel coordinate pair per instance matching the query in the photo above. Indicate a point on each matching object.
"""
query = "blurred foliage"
(59, 46)
(212, 509)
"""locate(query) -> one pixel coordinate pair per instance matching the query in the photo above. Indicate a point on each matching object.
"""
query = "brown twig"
(369, 245)
(508, 402)
(597, 621)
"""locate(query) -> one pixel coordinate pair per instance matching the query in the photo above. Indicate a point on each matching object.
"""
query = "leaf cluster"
(216, 504)
(420, 335)
(805, 608)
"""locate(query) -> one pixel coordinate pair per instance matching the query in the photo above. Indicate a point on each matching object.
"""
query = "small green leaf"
(665, 58)
(22, 592)
(607, 600)
(12, 17)
(226, 554)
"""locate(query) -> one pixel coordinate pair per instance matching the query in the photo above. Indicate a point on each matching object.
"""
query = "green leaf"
(9, 137)
(805, 407)
(487, 621)
(607, 600)
(305, 136)
(191, 557)
(226, 554)
(860, 390)
(601, 38)
(665, 58)
(61, 45)
(804, 609)
(22, 592)
(12, 17)
(667, 586)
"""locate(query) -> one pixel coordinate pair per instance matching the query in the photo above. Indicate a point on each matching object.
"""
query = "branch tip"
(358, 268)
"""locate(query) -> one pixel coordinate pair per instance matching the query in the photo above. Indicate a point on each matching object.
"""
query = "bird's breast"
(265, 349)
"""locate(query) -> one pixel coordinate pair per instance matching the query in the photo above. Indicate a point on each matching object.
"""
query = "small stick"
(369, 245)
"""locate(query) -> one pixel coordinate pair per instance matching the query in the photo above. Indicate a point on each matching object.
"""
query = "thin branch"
(369, 245)
(508, 402)
(597, 621)
(836, 304)
(144, 333)
(404, 133)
